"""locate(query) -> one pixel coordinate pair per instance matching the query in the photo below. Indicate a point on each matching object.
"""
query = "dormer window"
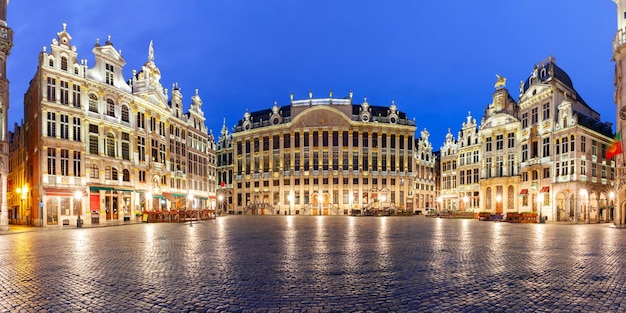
(64, 63)
(109, 74)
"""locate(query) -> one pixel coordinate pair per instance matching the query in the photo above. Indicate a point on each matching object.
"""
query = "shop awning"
(97, 188)
(182, 195)
(124, 190)
(523, 192)
(545, 189)
(169, 197)
(157, 196)
(59, 192)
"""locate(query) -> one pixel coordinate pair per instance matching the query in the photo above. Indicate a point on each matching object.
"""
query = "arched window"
(93, 103)
(51, 63)
(93, 172)
(110, 145)
(110, 108)
(64, 63)
(125, 116)
(125, 175)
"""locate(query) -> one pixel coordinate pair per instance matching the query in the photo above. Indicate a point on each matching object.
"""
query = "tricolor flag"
(616, 146)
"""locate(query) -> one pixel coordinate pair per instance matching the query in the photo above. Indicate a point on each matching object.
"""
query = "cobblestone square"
(316, 264)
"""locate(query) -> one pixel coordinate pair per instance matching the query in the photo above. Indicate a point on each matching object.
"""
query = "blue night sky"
(436, 59)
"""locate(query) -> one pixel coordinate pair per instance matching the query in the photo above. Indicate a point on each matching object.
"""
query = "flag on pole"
(616, 146)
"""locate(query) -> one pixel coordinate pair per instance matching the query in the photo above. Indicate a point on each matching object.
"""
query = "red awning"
(169, 197)
(59, 192)
(523, 192)
(545, 189)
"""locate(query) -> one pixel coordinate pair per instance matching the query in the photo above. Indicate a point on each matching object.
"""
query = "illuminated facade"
(100, 149)
(544, 153)
(326, 156)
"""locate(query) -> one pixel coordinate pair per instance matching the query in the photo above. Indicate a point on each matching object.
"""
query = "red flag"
(616, 146)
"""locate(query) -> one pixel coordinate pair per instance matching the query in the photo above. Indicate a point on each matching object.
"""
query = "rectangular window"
(546, 147)
(77, 168)
(325, 139)
(108, 79)
(365, 139)
(335, 138)
(76, 95)
(355, 139)
(534, 113)
(306, 139)
(345, 138)
(51, 89)
(499, 142)
(488, 144)
(76, 125)
(524, 120)
(64, 88)
(546, 111)
(296, 140)
(141, 148)
(393, 142)
(65, 126)
(52, 124)
(511, 140)
(52, 161)
(93, 144)
(286, 141)
(65, 162)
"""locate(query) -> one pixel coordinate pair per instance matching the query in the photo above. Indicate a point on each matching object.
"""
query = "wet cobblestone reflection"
(316, 264)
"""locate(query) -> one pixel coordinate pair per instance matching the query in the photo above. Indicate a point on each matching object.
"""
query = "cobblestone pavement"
(316, 264)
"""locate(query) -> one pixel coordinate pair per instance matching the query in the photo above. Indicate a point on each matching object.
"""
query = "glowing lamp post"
(540, 204)
(78, 195)
(220, 198)
(465, 202)
(498, 205)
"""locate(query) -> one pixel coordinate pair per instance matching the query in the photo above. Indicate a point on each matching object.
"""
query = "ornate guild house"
(326, 156)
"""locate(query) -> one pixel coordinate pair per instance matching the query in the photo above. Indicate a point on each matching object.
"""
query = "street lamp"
(465, 201)
(540, 203)
(78, 195)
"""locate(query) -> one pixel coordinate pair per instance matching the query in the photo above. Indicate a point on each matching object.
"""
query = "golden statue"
(501, 81)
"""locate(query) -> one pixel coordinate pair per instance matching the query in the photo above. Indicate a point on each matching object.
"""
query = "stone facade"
(326, 156)
(99, 148)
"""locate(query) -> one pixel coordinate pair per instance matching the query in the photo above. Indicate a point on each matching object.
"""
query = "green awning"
(124, 190)
(179, 195)
(158, 196)
(97, 188)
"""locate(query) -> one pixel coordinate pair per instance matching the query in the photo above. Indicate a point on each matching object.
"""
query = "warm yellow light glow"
(498, 198)
(220, 198)
(465, 199)
(78, 195)
(611, 195)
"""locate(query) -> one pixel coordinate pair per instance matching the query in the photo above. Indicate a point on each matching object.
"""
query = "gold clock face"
(622, 113)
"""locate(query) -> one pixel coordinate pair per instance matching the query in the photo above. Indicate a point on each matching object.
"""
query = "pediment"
(320, 117)
(499, 120)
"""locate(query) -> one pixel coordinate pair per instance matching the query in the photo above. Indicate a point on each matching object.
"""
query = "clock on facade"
(622, 113)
